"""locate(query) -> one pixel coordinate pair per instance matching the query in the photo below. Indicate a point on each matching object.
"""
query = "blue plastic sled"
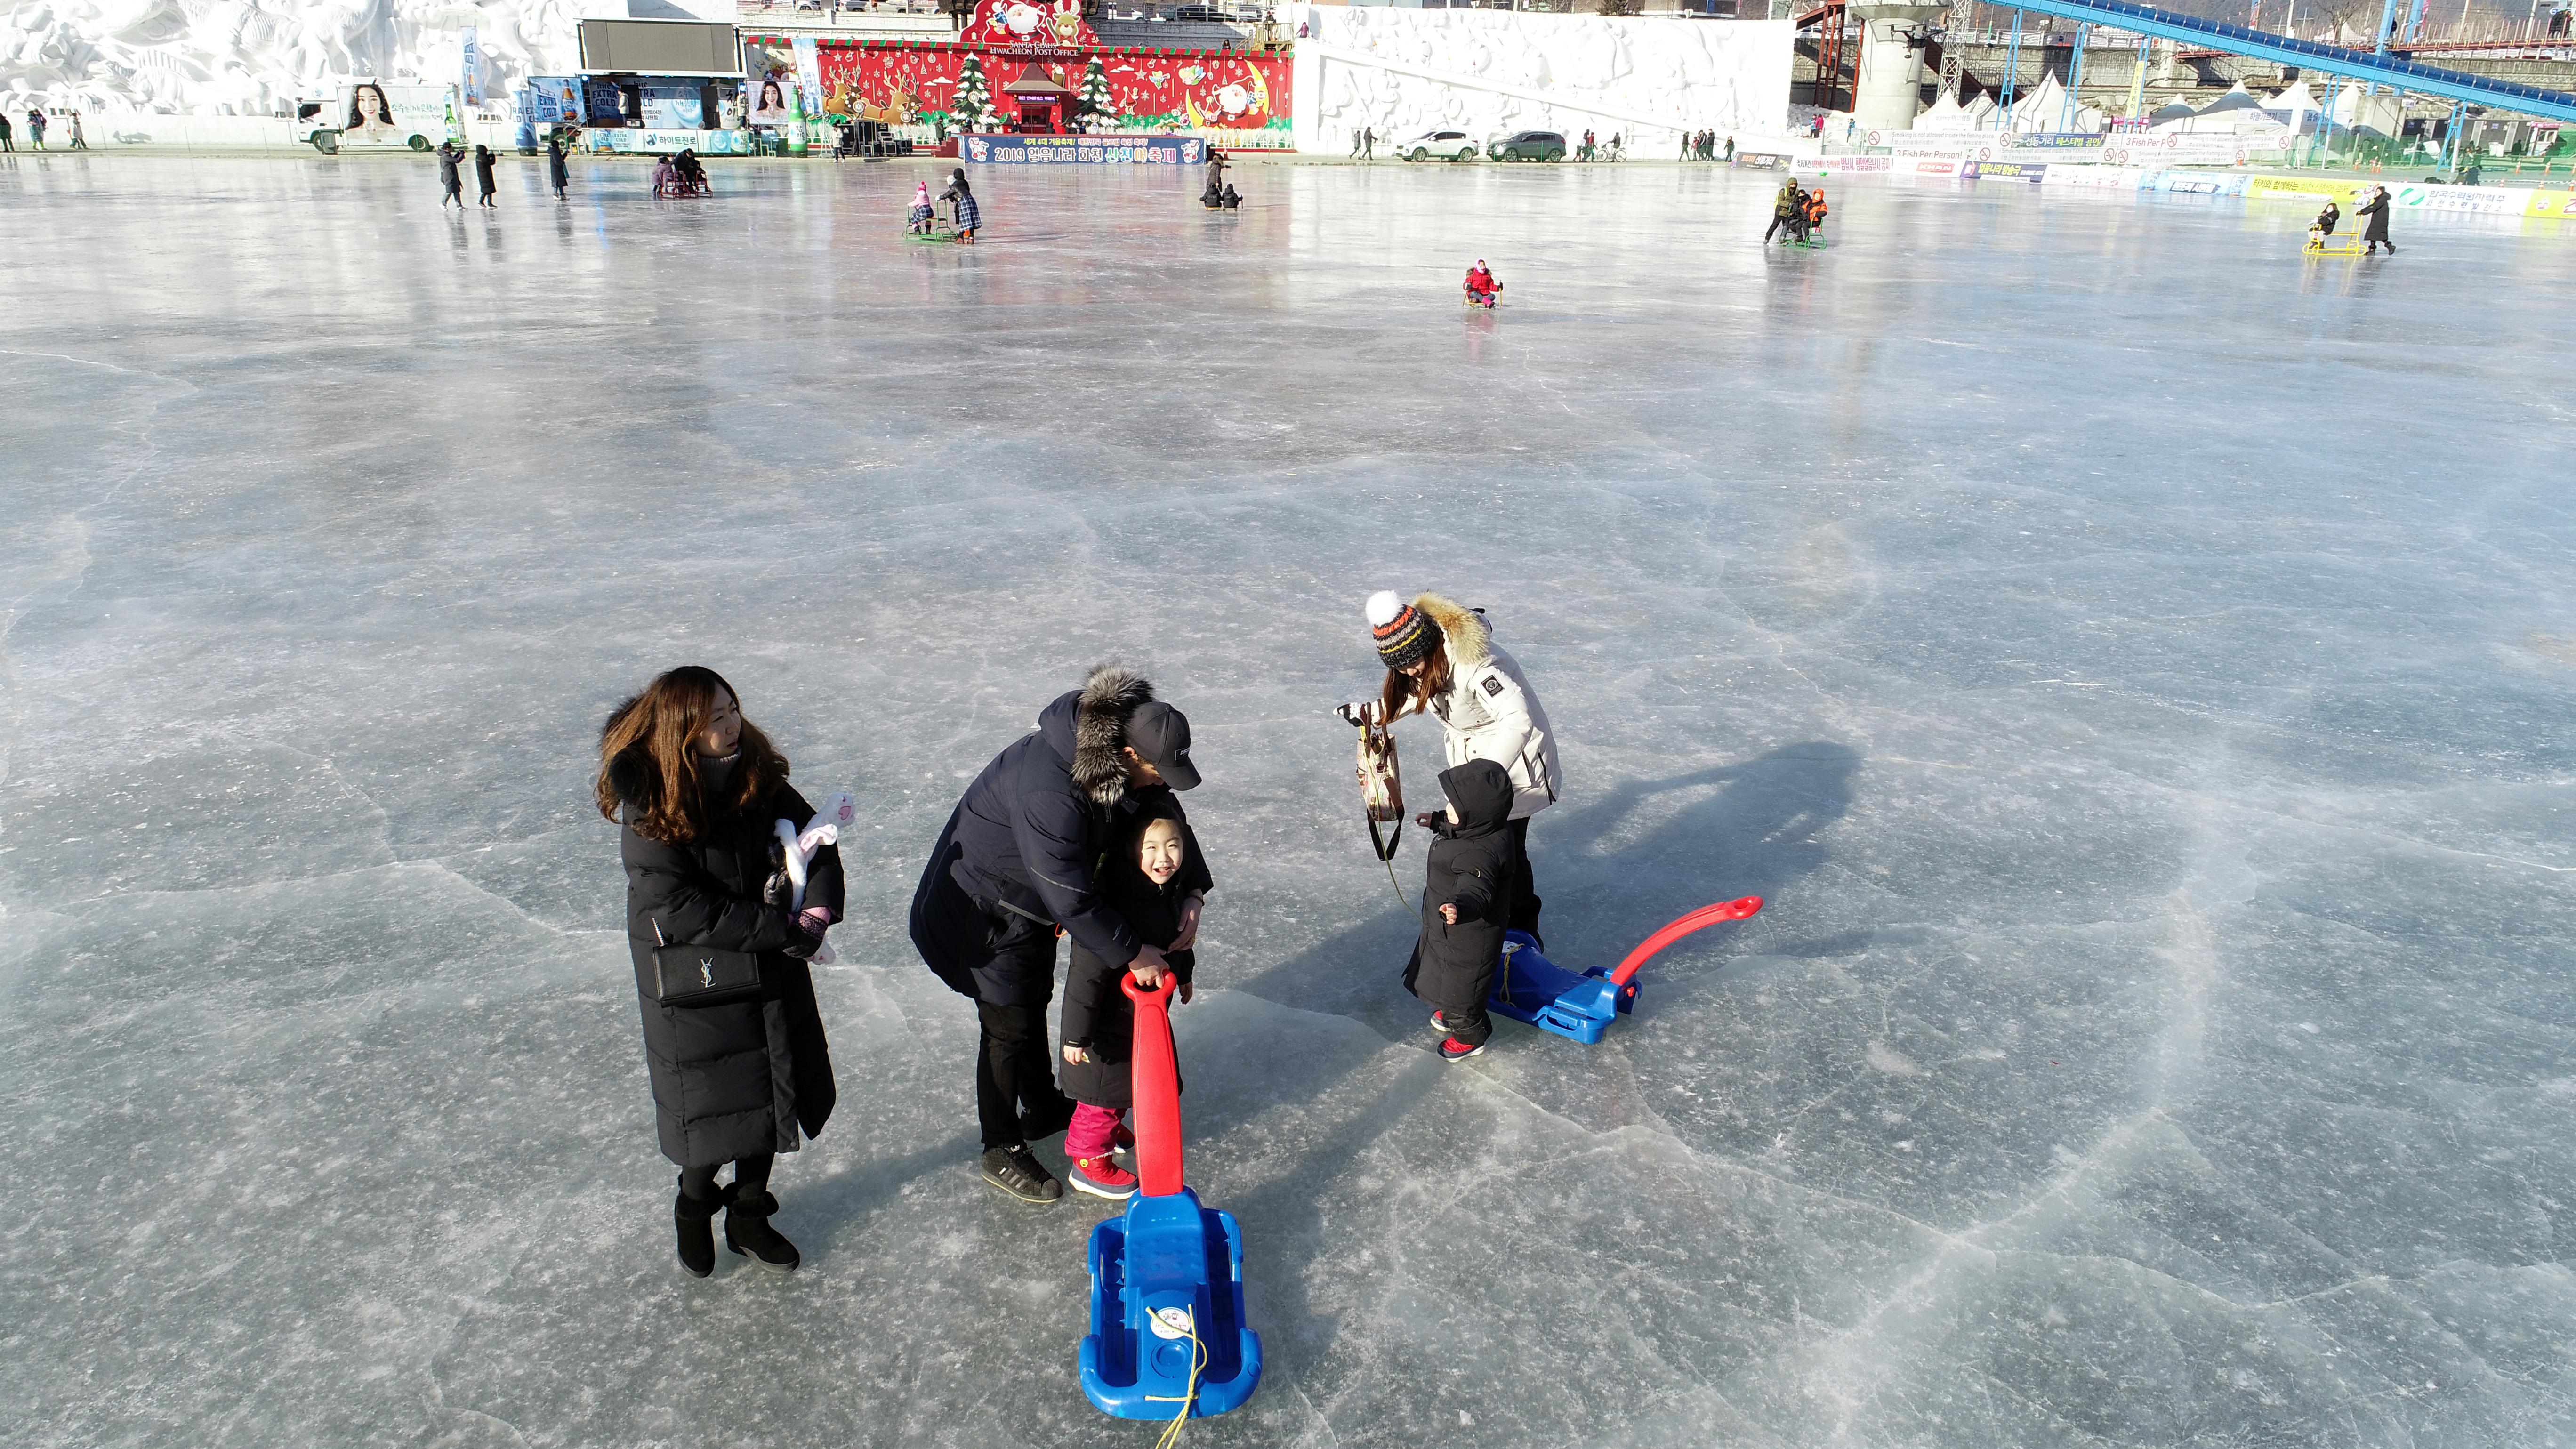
(1167, 1338)
(1534, 989)
(1167, 1299)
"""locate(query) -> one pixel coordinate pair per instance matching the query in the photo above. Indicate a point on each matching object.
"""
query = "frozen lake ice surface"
(2134, 661)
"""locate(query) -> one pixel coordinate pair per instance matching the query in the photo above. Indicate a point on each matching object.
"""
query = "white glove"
(1358, 712)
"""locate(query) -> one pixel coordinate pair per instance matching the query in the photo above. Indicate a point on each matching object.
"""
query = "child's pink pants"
(1093, 1131)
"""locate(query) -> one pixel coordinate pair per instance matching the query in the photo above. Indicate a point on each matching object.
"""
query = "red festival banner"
(1234, 98)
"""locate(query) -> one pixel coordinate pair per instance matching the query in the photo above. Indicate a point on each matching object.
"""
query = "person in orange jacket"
(1816, 208)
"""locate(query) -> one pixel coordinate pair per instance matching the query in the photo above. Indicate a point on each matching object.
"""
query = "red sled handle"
(1734, 910)
(1155, 1082)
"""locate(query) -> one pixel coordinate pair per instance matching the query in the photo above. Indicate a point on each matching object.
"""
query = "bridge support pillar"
(1885, 95)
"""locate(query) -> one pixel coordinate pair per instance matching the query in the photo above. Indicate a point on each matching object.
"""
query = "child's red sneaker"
(1452, 1050)
(1102, 1177)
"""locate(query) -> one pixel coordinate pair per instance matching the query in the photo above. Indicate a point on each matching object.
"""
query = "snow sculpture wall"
(1491, 72)
(255, 57)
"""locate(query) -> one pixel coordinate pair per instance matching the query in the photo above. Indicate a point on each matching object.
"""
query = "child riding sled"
(1482, 289)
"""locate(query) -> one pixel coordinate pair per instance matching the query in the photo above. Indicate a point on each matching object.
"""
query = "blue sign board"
(1111, 149)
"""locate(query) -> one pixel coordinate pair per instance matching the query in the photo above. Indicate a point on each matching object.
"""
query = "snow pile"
(258, 57)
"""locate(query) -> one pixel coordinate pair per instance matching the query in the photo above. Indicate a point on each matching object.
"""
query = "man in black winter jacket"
(1466, 905)
(1013, 868)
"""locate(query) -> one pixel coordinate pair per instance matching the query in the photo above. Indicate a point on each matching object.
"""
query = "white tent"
(2237, 99)
(1944, 114)
(2297, 100)
(2040, 108)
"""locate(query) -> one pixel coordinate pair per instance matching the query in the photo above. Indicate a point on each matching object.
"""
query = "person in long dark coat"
(451, 185)
(483, 175)
(2375, 234)
(699, 791)
(1013, 865)
(1466, 905)
(556, 172)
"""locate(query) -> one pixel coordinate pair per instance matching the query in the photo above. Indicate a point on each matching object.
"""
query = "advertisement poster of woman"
(371, 116)
(774, 103)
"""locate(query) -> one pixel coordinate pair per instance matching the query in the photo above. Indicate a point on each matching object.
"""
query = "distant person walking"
(1730, 150)
(2375, 234)
(6, 144)
(1355, 144)
(79, 142)
(452, 186)
(35, 128)
(1368, 143)
(1215, 169)
(555, 172)
(483, 175)
(1689, 140)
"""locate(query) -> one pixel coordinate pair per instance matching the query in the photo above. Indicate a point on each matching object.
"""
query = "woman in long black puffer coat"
(700, 792)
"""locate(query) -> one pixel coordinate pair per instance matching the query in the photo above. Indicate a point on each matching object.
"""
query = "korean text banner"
(1110, 150)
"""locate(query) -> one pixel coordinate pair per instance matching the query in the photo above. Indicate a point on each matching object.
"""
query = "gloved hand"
(807, 943)
(1358, 712)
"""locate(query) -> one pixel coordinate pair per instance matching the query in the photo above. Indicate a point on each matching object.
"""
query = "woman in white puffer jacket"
(1441, 660)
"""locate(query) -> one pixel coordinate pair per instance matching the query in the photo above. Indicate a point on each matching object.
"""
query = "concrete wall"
(1491, 72)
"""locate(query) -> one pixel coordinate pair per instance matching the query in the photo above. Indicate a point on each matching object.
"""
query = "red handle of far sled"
(1155, 1082)
(1734, 910)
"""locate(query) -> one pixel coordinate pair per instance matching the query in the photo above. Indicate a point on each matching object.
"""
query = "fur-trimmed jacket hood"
(1489, 709)
(1088, 728)
(1025, 836)
(1470, 640)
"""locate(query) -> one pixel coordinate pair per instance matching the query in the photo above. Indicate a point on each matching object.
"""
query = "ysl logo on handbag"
(706, 972)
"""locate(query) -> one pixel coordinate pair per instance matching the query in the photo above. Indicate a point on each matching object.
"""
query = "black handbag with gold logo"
(685, 975)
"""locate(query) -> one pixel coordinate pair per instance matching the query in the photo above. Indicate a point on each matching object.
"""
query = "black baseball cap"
(1160, 736)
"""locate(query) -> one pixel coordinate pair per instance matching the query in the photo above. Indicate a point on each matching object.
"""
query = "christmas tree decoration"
(971, 107)
(1099, 110)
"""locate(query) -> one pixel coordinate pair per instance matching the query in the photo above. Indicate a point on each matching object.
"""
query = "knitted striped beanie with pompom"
(1403, 634)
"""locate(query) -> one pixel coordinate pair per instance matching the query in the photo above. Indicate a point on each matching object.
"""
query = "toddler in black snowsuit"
(1099, 1020)
(1466, 905)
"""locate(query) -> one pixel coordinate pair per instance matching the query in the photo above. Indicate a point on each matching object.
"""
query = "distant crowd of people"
(36, 124)
(1702, 146)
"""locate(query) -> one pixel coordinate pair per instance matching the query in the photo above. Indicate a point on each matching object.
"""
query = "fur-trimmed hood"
(1089, 727)
(631, 775)
(1468, 637)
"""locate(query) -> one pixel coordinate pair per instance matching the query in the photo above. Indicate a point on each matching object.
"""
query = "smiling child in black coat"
(1466, 905)
(1154, 877)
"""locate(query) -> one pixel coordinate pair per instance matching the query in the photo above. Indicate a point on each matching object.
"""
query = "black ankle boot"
(747, 1232)
(697, 1241)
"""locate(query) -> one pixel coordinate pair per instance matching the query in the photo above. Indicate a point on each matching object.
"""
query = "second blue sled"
(1534, 989)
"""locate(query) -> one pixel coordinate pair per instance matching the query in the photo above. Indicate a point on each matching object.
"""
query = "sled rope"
(1171, 1436)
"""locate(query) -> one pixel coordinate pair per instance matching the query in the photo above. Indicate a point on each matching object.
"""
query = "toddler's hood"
(1482, 791)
